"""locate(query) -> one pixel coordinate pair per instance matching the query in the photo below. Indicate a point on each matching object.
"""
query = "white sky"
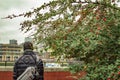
(9, 28)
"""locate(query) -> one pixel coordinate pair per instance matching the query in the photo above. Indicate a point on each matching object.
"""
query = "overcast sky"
(9, 28)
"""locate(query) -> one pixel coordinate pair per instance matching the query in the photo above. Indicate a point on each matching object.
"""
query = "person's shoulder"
(36, 53)
(19, 59)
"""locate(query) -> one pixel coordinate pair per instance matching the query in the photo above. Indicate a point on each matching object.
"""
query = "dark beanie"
(28, 45)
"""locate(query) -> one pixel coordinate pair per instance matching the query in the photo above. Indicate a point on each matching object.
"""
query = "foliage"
(7, 63)
(97, 71)
(83, 29)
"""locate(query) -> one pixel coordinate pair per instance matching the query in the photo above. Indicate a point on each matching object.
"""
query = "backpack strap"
(36, 59)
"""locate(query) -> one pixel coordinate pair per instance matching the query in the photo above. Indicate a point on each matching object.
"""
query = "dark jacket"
(28, 59)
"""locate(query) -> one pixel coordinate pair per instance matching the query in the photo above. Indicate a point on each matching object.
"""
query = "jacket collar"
(28, 50)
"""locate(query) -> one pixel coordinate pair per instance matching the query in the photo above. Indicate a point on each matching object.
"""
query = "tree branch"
(99, 3)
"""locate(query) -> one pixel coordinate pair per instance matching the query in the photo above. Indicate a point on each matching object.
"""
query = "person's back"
(28, 59)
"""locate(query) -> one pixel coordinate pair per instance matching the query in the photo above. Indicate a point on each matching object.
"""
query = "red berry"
(119, 72)
(91, 30)
(65, 37)
(108, 78)
(97, 33)
(104, 19)
(99, 28)
(86, 39)
(97, 17)
(118, 66)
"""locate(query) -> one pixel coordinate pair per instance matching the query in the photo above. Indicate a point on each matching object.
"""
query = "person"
(28, 59)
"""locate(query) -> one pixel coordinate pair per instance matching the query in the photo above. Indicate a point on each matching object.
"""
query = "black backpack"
(31, 72)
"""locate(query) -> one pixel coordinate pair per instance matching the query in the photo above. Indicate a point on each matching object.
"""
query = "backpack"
(30, 73)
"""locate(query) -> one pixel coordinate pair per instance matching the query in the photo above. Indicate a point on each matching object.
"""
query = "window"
(8, 58)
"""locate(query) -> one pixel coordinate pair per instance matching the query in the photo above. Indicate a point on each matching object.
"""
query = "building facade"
(11, 51)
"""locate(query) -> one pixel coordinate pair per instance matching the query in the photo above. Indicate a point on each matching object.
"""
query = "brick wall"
(58, 75)
(5, 75)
